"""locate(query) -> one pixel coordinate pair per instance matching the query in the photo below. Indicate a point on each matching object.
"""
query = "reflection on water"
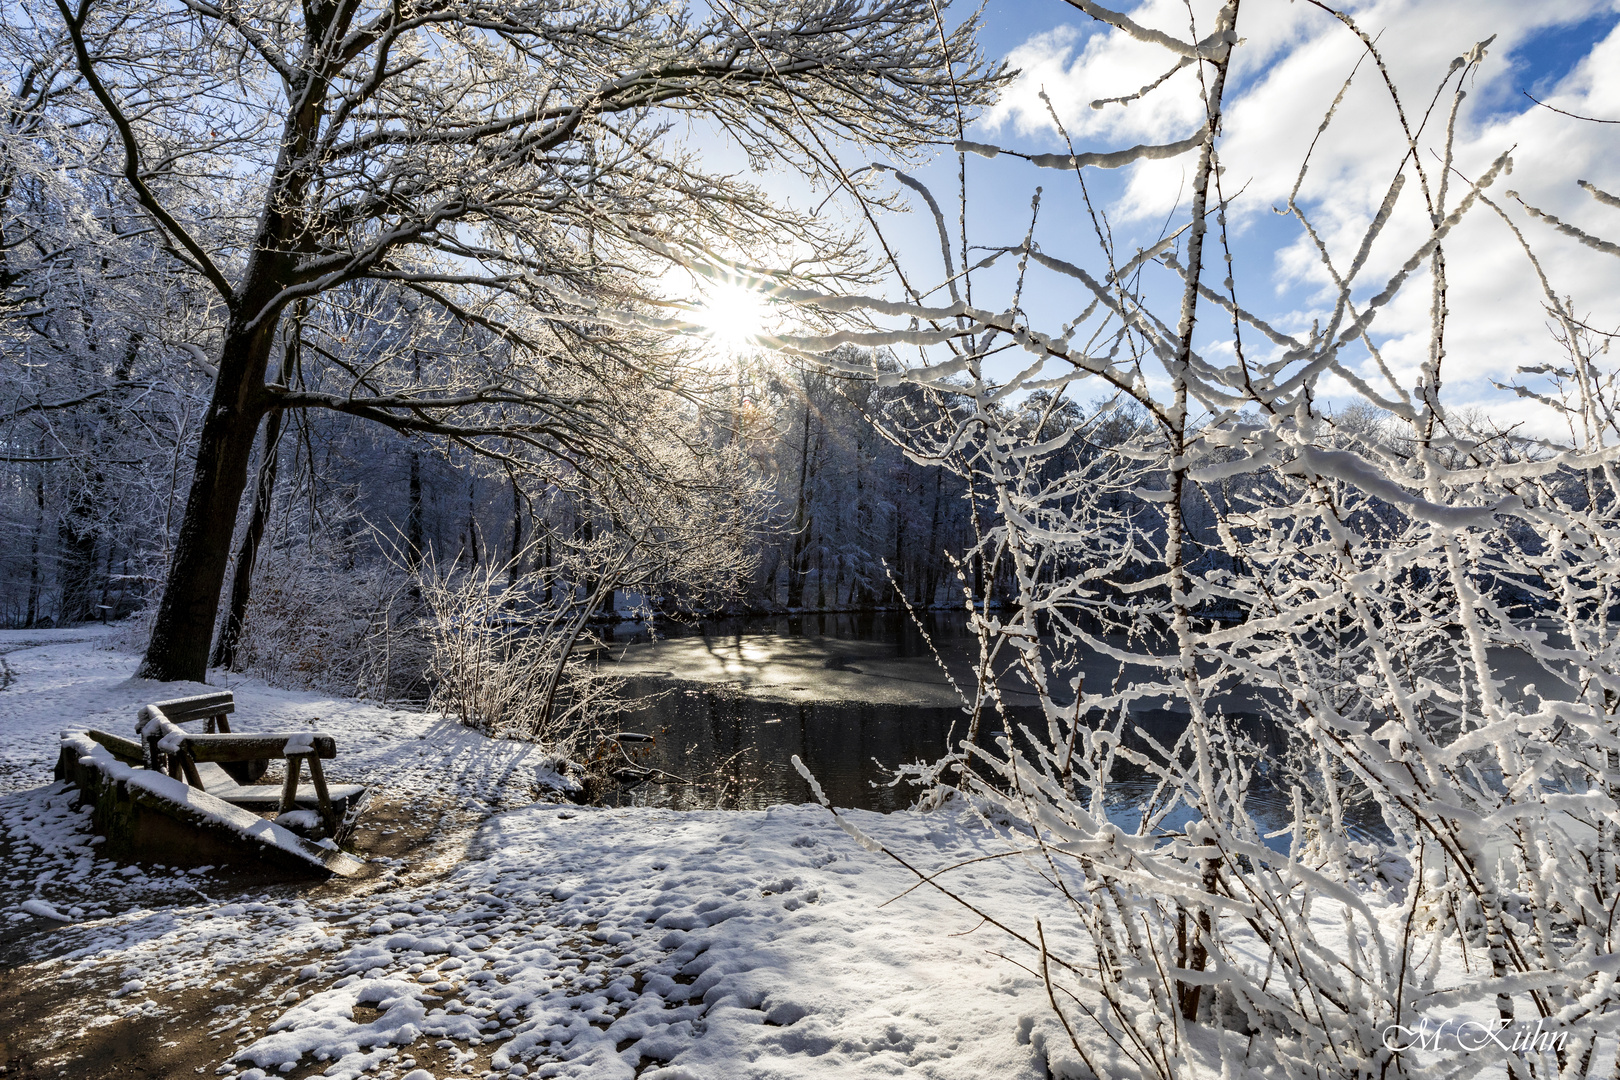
(854, 696)
(848, 745)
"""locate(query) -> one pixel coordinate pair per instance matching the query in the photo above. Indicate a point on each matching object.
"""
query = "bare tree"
(87, 319)
(1417, 602)
(475, 158)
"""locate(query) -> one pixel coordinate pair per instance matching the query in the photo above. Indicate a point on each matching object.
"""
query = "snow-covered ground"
(518, 937)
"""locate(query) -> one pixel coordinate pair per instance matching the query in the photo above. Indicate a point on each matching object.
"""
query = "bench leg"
(190, 768)
(289, 789)
(323, 798)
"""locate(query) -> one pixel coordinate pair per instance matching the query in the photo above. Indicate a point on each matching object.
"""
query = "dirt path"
(49, 1027)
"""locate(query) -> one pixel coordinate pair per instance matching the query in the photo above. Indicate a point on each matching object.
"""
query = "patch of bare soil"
(193, 1032)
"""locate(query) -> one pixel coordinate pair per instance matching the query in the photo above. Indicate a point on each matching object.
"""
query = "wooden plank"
(247, 772)
(215, 779)
(252, 747)
(268, 796)
(206, 811)
(217, 698)
(179, 710)
(322, 799)
(127, 749)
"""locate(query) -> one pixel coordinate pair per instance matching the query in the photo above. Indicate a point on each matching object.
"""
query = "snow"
(299, 819)
(151, 723)
(547, 940)
(534, 939)
(44, 910)
(1116, 159)
(200, 804)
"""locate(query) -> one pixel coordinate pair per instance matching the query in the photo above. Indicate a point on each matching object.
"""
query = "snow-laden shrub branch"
(1391, 619)
(510, 651)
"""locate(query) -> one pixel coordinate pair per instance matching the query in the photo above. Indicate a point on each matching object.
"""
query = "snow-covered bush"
(1393, 614)
(511, 651)
(319, 621)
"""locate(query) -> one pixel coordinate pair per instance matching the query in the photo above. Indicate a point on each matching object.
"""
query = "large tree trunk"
(247, 555)
(185, 619)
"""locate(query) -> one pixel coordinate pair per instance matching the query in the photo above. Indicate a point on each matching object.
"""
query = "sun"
(732, 315)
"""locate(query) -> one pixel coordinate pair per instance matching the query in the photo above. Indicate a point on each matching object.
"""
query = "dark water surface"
(854, 696)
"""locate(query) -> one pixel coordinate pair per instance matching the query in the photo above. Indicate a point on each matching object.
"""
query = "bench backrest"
(252, 747)
(246, 755)
(197, 707)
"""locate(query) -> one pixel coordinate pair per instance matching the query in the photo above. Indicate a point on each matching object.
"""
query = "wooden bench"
(225, 763)
(214, 710)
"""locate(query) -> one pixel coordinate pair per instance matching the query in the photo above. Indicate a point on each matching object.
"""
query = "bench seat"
(268, 796)
(218, 782)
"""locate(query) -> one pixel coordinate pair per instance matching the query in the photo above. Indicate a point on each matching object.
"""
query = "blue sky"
(1293, 61)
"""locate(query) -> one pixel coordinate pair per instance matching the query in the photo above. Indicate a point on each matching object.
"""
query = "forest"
(1236, 373)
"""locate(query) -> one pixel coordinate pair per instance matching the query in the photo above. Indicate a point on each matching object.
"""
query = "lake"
(730, 702)
(851, 695)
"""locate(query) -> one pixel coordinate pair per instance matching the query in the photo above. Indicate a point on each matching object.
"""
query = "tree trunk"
(106, 605)
(517, 531)
(900, 537)
(33, 550)
(585, 532)
(472, 522)
(76, 560)
(413, 516)
(860, 592)
(797, 567)
(931, 577)
(184, 628)
(770, 579)
(247, 555)
(550, 577)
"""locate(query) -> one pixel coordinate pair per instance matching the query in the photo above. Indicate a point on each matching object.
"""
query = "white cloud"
(1293, 62)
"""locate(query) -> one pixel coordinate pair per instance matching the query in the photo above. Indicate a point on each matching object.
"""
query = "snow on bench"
(203, 781)
(145, 812)
(165, 746)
